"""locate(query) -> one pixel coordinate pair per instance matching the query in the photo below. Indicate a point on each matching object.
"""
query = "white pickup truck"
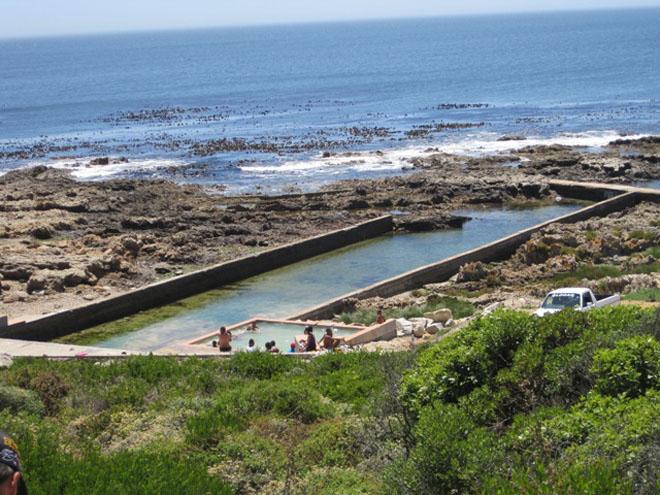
(581, 299)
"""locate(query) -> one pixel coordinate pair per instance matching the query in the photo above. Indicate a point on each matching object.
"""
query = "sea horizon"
(365, 20)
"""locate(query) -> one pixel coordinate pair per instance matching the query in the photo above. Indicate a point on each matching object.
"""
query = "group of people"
(306, 344)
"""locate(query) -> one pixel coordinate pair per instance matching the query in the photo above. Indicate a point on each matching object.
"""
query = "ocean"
(293, 107)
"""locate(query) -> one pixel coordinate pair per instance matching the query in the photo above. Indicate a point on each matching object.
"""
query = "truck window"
(561, 301)
(587, 299)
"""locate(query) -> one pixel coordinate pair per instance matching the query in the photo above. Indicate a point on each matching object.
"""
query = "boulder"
(357, 204)
(77, 276)
(419, 332)
(440, 315)
(44, 280)
(419, 326)
(471, 272)
(6, 361)
(435, 329)
(403, 327)
(42, 232)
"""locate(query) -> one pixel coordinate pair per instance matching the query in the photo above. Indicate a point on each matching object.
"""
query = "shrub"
(258, 365)
(16, 399)
(334, 481)
(631, 368)
(457, 365)
(332, 444)
(51, 388)
(450, 456)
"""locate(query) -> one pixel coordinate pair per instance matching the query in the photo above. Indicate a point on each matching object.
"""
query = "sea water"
(293, 93)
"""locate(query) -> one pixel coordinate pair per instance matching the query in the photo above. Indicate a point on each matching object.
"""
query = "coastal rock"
(404, 327)
(471, 272)
(42, 232)
(564, 263)
(12, 271)
(104, 160)
(357, 204)
(440, 315)
(6, 361)
(436, 329)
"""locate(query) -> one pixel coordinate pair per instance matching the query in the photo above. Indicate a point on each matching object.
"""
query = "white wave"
(397, 159)
(487, 144)
(389, 160)
(83, 170)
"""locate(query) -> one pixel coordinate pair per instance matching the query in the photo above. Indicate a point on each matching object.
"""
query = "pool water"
(283, 292)
(282, 333)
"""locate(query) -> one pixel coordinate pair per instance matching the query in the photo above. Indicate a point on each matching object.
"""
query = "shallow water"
(283, 292)
(281, 333)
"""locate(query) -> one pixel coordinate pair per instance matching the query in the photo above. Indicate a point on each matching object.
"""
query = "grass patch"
(459, 308)
(650, 295)
(596, 272)
(140, 320)
(653, 251)
(589, 272)
(642, 235)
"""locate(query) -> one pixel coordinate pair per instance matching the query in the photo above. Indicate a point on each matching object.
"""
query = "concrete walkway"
(25, 348)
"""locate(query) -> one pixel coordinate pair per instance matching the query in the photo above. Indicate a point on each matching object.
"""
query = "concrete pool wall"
(443, 270)
(66, 322)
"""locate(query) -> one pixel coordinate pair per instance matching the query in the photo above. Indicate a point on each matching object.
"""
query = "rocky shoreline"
(64, 242)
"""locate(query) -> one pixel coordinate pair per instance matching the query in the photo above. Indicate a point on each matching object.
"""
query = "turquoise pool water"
(282, 333)
(283, 292)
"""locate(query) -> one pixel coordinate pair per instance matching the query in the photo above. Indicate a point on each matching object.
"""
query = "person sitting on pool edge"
(251, 347)
(329, 342)
(310, 341)
(224, 339)
(273, 347)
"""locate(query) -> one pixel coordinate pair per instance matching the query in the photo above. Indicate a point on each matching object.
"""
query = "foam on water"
(83, 170)
(482, 144)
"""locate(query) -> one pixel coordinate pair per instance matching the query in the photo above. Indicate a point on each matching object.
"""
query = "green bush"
(16, 399)
(50, 387)
(450, 455)
(332, 444)
(51, 467)
(631, 368)
(258, 365)
(457, 365)
(334, 481)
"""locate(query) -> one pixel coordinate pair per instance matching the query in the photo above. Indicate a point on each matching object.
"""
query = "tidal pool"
(283, 292)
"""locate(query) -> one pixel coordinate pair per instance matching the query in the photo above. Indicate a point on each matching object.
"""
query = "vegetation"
(459, 308)
(598, 271)
(651, 295)
(510, 404)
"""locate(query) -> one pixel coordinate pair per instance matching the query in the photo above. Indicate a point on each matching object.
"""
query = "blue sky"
(19, 18)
